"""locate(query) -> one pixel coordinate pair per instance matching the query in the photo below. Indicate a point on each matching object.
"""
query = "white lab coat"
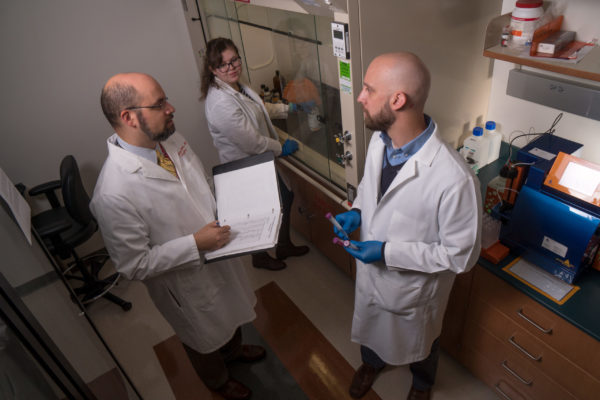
(430, 219)
(241, 127)
(147, 218)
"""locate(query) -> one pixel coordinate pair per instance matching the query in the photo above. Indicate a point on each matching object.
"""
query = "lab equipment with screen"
(555, 221)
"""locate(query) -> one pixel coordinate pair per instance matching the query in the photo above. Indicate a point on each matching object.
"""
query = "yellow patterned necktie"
(165, 162)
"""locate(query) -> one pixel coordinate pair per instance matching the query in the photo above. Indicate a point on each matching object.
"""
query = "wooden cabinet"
(311, 203)
(517, 346)
(456, 314)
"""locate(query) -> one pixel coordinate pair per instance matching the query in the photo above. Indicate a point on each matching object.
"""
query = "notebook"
(247, 195)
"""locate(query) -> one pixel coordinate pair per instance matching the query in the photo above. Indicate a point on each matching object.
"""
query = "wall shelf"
(587, 68)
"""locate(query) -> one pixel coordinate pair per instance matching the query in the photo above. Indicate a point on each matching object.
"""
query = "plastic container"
(495, 139)
(313, 120)
(268, 95)
(490, 230)
(475, 149)
(523, 23)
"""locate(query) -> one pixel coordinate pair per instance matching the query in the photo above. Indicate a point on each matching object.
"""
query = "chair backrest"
(74, 195)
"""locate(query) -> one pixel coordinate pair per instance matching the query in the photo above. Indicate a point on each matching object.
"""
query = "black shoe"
(363, 380)
(251, 353)
(415, 394)
(289, 250)
(234, 390)
(264, 260)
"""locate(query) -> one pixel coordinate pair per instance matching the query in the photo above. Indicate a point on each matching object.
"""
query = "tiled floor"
(321, 291)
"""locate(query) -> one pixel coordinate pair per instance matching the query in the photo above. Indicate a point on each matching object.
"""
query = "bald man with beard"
(156, 212)
(418, 207)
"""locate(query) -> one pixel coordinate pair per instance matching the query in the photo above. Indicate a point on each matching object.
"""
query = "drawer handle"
(511, 340)
(520, 312)
(497, 387)
(513, 373)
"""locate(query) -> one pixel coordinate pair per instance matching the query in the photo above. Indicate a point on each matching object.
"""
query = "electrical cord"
(550, 131)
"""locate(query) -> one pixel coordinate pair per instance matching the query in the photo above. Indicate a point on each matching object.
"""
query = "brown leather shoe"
(234, 390)
(415, 394)
(363, 380)
(289, 250)
(251, 353)
(264, 260)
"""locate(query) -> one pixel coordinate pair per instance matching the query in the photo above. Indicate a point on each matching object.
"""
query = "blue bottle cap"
(478, 131)
(490, 125)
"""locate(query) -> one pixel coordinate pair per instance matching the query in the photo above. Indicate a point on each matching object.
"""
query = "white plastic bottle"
(523, 22)
(475, 149)
(495, 139)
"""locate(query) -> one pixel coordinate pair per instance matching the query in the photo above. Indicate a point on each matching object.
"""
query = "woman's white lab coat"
(430, 219)
(240, 126)
(147, 218)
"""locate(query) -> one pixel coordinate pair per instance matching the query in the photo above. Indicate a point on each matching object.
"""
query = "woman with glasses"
(240, 125)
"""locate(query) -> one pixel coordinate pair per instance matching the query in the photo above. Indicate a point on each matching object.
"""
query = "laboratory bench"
(516, 340)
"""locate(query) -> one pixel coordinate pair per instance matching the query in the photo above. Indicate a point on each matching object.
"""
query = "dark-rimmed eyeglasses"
(160, 106)
(233, 63)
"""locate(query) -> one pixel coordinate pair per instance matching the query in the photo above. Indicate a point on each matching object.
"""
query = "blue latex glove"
(306, 106)
(289, 146)
(349, 220)
(368, 252)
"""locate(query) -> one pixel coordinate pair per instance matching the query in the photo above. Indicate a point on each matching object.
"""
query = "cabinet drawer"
(491, 375)
(520, 374)
(550, 328)
(533, 351)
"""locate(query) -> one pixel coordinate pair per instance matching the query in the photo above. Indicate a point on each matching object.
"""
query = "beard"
(160, 136)
(382, 121)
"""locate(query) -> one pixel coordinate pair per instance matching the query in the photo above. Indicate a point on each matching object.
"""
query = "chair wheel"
(126, 306)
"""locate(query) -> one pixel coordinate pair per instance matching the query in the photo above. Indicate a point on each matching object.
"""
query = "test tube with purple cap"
(337, 240)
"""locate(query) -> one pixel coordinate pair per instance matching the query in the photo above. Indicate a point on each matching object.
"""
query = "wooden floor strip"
(315, 364)
(320, 371)
(186, 385)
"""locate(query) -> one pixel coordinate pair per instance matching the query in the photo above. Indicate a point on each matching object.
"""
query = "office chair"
(63, 228)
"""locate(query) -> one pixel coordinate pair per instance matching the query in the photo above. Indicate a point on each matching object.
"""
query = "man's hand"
(367, 252)
(212, 236)
(349, 220)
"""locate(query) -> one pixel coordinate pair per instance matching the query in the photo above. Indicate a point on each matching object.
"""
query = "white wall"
(514, 114)
(56, 56)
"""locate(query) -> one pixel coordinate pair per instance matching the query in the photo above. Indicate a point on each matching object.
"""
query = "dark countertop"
(582, 308)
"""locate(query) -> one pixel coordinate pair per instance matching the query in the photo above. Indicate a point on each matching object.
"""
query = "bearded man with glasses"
(156, 213)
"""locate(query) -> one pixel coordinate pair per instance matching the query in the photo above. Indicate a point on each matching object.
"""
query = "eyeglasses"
(160, 106)
(234, 63)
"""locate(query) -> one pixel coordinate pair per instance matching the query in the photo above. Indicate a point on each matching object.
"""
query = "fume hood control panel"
(339, 35)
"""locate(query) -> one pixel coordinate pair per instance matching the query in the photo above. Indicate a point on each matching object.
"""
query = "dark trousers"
(211, 367)
(423, 371)
(287, 198)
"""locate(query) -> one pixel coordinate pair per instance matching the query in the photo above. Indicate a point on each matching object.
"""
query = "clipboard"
(248, 200)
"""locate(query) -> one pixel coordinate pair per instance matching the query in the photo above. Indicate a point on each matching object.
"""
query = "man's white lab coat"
(430, 219)
(147, 218)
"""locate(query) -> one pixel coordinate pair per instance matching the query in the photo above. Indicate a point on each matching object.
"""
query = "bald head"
(122, 91)
(403, 72)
